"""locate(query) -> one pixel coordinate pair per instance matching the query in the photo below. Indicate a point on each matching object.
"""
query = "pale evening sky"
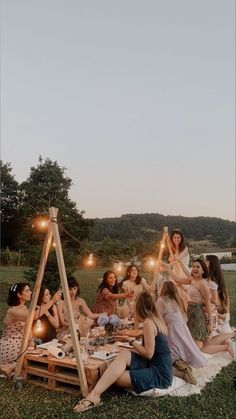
(136, 98)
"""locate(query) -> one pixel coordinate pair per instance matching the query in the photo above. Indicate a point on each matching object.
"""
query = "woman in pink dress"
(107, 294)
(181, 343)
(14, 323)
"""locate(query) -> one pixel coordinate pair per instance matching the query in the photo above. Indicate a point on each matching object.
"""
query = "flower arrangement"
(111, 323)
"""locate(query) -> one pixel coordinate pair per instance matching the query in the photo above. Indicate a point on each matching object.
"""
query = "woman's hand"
(129, 294)
(56, 297)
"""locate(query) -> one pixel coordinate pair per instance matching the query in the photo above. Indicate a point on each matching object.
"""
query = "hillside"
(148, 227)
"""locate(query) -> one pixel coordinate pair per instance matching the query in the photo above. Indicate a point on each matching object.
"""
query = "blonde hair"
(169, 292)
(145, 307)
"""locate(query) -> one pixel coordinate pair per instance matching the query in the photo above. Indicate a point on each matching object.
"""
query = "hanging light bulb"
(119, 266)
(90, 259)
(151, 262)
(162, 245)
(38, 325)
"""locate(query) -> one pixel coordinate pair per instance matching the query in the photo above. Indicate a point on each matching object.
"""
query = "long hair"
(72, 282)
(41, 294)
(145, 307)
(104, 283)
(170, 293)
(138, 278)
(204, 267)
(182, 244)
(14, 290)
(216, 275)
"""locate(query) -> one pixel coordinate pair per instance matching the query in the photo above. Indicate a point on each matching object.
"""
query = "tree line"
(109, 239)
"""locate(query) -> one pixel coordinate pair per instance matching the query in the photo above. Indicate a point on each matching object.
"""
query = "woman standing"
(178, 252)
(107, 294)
(148, 366)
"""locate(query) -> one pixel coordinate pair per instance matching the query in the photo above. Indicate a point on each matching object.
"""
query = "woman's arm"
(177, 279)
(111, 296)
(40, 311)
(53, 318)
(149, 330)
(87, 311)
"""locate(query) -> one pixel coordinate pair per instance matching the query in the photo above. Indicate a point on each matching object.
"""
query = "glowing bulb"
(162, 245)
(151, 262)
(119, 267)
(38, 325)
(90, 259)
(54, 244)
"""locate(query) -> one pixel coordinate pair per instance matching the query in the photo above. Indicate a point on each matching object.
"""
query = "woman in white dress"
(135, 284)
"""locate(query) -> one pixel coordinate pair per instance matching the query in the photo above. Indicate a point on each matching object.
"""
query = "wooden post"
(161, 250)
(65, 289)
(34, 300)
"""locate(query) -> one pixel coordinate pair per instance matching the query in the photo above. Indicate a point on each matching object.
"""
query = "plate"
(104, 356)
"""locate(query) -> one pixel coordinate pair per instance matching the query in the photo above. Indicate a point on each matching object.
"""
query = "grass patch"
(215, 401)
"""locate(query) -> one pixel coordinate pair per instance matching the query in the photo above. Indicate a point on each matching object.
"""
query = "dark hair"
(104, 283)
(204, 267)
(216, 275)
(14, 290)
(72, 282)
(138, 279)
(182, 244)
(41, 294)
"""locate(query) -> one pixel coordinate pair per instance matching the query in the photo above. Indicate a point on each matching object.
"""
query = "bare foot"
(6, 370)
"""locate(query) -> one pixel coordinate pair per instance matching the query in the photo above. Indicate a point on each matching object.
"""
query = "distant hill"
(149, 227)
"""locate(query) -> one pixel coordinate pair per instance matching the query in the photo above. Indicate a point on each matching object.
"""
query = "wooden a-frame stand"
(53, 233)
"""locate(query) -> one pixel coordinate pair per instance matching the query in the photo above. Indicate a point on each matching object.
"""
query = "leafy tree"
(48, 186)
(10, 207)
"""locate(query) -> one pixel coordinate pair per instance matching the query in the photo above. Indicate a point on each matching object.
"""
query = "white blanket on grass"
(203, 375)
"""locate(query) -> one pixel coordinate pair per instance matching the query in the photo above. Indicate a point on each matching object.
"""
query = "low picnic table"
(44, 370)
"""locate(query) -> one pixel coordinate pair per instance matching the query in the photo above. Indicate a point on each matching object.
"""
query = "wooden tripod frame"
(53, 232)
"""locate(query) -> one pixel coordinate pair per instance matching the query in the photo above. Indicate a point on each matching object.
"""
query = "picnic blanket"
(203, 375)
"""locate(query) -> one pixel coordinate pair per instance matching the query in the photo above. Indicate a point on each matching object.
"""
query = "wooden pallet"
(60, 374)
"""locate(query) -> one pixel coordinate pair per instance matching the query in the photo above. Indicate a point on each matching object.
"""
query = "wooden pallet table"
(60, 374)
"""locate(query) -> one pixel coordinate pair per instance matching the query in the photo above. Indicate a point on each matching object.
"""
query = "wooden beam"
(34, 300)
(65, 289)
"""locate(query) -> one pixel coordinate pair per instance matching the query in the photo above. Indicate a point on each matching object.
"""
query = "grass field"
(215, 402)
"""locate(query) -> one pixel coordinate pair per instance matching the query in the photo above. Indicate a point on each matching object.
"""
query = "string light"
(38, 325)
(42, 223)
(151, 262)
(90, 259)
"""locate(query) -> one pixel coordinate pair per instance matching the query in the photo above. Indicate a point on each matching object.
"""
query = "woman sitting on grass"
(107, 294)
(14, 323)
(147, 366)
(49, 320)
(133, 283)
(219, 295)
(78, 304)
(181, 343)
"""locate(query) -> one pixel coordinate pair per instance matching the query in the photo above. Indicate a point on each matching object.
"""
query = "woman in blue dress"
(147, 366)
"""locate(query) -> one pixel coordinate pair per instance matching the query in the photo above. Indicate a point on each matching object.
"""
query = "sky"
(135, 98)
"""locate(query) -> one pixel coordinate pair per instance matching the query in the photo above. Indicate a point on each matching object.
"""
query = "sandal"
(184, 371)
(86, 404)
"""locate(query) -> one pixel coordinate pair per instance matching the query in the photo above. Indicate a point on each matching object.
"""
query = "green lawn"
(215, 402)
